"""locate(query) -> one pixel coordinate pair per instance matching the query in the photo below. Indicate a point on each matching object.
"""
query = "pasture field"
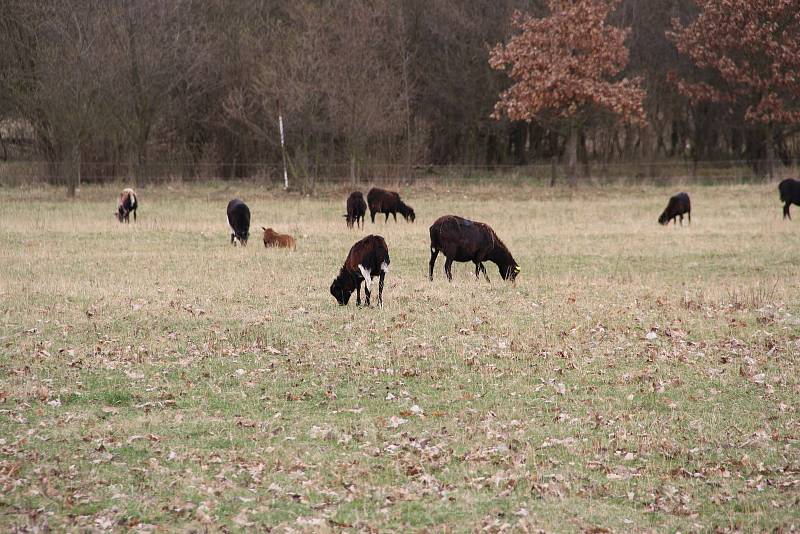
(636, 377)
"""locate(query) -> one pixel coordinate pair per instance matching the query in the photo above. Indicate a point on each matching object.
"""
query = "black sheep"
(368, 258)
(239, 221)
(388, 202)
(460, 239)
(790, 194)
(678, 205)
(356, 209)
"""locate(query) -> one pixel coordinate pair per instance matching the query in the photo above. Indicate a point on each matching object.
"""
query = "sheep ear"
(263, 228)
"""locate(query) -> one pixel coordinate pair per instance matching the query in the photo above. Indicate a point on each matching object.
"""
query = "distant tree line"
(123, 83)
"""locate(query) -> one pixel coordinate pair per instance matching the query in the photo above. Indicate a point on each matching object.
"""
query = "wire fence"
(13, 173)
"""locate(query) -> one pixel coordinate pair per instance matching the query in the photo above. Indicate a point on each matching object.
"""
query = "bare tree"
(154, 56)
(364, 92)
(286, 68)
(333, 77)
(55, 78)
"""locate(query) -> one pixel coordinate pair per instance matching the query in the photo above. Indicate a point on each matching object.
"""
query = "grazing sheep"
(678, 205)
(388, 202)
(790, 194)
(460, 240)
(274, 239)
(356, 208)
(368, 258)
(239, 221)
(126, 204)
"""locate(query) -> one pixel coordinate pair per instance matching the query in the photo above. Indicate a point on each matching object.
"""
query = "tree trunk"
(583, 155)
(141, 107)
(407, 102)
(3, 146)
(770, 146)
(140, 163)
(73, 169)
(650, 140)
(572, 154)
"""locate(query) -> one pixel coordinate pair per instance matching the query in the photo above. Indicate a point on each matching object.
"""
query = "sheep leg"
(358, 294)
(367, 281)
(134, 215)
(394, 214)
(386, 220)
(448, 269)
(380, 289)
(681, 216)
(483, 268)
(786, 214)
(689, 214)
(480, 268)
(372, 215)
(434, 253)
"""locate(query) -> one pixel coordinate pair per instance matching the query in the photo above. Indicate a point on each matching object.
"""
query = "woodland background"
(93, 90)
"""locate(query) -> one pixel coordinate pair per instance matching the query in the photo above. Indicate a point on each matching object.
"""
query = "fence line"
(40, 171)
(347, 165)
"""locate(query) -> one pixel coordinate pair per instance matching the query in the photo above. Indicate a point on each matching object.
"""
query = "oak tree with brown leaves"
(565, 70)
(747, 54)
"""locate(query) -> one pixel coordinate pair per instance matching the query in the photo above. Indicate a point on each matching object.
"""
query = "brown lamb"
(274, 239)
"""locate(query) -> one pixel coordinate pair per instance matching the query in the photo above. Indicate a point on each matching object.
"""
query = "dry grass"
(636, 377)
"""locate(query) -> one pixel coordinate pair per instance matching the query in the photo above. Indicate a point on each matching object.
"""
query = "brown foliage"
(563, 66)
(751, 51)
